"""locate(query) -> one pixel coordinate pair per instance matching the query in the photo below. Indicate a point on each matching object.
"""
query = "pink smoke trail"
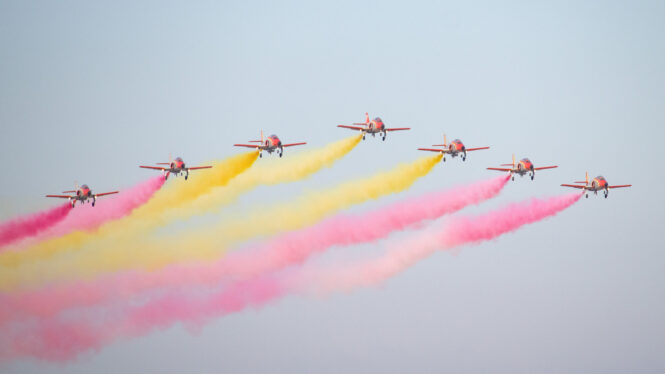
(56, 340)
(22, 227)
(288, 249)
(456, 232)
(106, 209)
(63, 341)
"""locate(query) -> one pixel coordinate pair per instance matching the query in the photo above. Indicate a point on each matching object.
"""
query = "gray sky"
(89, 91)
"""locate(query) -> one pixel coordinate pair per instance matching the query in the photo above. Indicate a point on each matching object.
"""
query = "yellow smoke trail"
(295, 168)
(210, 243)
(147, 216)
(205, 192)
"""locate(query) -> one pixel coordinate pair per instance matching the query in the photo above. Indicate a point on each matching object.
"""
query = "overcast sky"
(89, 91)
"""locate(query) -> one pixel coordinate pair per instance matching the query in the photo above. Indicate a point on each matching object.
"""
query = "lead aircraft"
(373, 127)
(455, 148)
(270, 144)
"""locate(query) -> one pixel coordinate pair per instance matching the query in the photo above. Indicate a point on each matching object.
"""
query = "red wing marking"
(352, 127)
(573, 186)
(105, 193)
(293, 144)
(476, 149)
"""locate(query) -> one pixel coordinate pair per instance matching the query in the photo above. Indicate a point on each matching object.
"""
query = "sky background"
(89, 91)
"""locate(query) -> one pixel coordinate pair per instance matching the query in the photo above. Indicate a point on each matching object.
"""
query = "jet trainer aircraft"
(454, 149)
(270, 144)
(175, 167)
(375, 126)
(523, 167)
(82, 194)
(598, 183)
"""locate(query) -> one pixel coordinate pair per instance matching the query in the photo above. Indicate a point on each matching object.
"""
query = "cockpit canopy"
(377, 119)
(85, 187)
(179, 159)
(526, 160)
(600, 178)
(457, 141)
(273, 136)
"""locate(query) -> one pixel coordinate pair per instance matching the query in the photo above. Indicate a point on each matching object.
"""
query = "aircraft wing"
(60, 196)
(398, 129)
(620, 186)
(105, 193)
(476, 149)
(353, 127)
(573, 186)
(433, 150)
(293, 144)
(499, 169)
(153, 167)
(247, 145)
(545, 167)
(199, 167)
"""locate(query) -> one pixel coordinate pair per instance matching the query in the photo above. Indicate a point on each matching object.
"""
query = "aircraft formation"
(376, 126)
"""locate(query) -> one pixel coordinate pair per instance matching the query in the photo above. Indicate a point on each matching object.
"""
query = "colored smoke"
(23, 227)
(286, 250)
(455, 232)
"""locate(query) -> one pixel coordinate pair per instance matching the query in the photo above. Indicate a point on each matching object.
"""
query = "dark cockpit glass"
(600, 177)
(377, 119)
(526, 160)
(179, 159)
(273, 136)
(85, 187)
(457, 141)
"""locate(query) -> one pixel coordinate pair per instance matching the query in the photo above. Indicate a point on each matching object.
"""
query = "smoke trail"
(210, 244)
(288, 249)
(46, 340)
(89, 218)
(30, 225)
(203, 194)
(143, 217)
(108, 209)
(64, 340)
(292, 169)
(456, 232)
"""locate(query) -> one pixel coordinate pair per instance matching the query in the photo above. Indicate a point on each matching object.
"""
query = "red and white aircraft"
(597, 184)
(524, 166)
(270, 144)
(83, 193)
(453, 149)
(175, 167)
(375, 126)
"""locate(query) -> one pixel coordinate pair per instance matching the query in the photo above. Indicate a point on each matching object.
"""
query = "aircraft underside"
(270, 150)
(523, 172)
(374, 132)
